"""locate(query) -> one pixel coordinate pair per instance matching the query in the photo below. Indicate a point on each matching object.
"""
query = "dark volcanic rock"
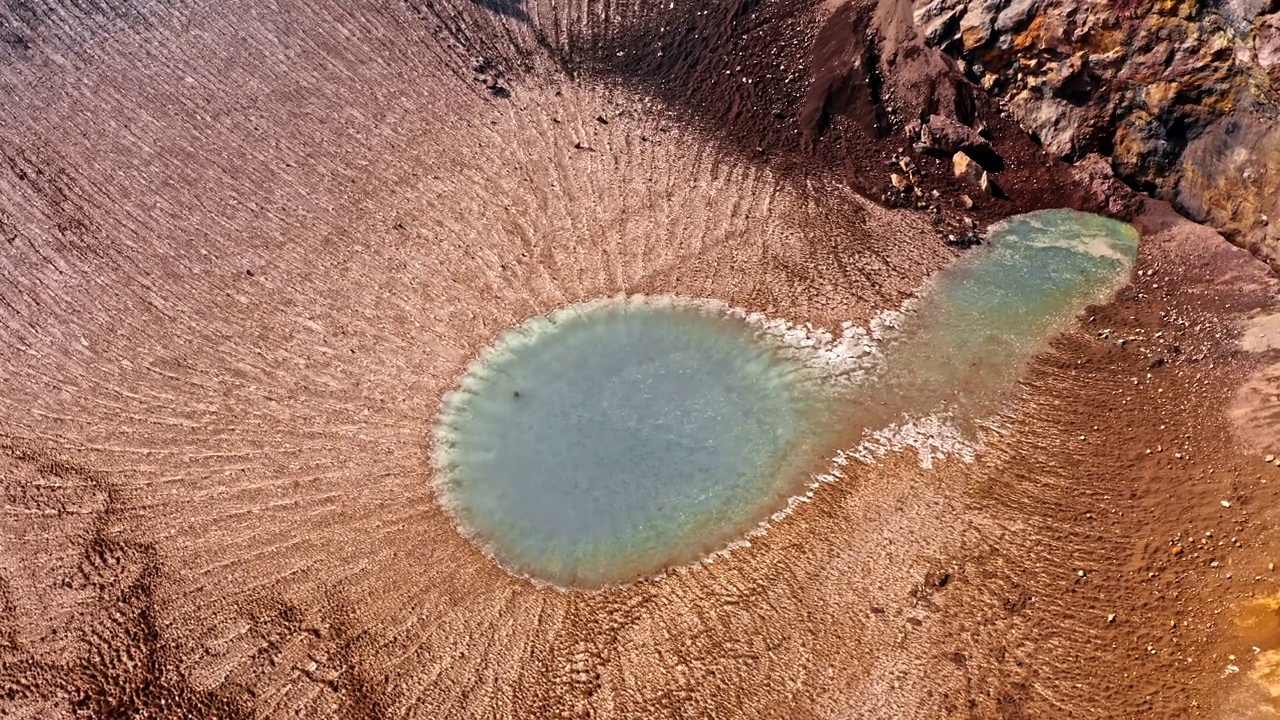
(946, 136)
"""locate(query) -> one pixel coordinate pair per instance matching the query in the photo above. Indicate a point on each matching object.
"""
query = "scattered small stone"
(1271, 566)
(1177, 550)
(989, 186)
(1111, 618)
(966, 202)
(897, 181)
(966, 168)
(1226, 503)
(1080, 573)
(1269, 458)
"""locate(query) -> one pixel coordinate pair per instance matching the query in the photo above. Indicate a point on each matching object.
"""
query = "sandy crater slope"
(247, 246)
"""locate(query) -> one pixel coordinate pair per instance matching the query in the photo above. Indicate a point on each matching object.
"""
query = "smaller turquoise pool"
(970, 334)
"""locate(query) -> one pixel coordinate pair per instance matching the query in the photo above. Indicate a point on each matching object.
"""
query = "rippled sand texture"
(247, 247)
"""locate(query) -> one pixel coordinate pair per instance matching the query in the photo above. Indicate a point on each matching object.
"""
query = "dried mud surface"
(246, 247)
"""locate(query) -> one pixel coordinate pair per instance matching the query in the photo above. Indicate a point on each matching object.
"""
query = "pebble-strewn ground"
(247, 246)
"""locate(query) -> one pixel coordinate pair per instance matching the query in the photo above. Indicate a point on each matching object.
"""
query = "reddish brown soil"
(245, 249)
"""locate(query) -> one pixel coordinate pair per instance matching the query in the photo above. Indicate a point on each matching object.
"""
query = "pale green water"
(617, 438)
(968, 336)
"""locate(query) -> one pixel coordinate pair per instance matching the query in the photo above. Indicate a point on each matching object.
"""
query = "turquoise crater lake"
(613, 439)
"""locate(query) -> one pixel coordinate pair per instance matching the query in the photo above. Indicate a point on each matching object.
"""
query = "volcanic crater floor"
(249, 249)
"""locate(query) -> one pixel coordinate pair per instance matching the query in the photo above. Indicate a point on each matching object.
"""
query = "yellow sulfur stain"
(1259, 623)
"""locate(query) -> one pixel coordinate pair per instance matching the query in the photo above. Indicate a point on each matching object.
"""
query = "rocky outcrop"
(1229, 177)
(1182, 96)
(1112, 196)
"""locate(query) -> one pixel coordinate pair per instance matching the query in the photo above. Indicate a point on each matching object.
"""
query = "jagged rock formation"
(1181, 95)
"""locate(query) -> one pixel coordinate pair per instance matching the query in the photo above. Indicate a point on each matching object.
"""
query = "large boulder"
(1229, 178)
(946, 136)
